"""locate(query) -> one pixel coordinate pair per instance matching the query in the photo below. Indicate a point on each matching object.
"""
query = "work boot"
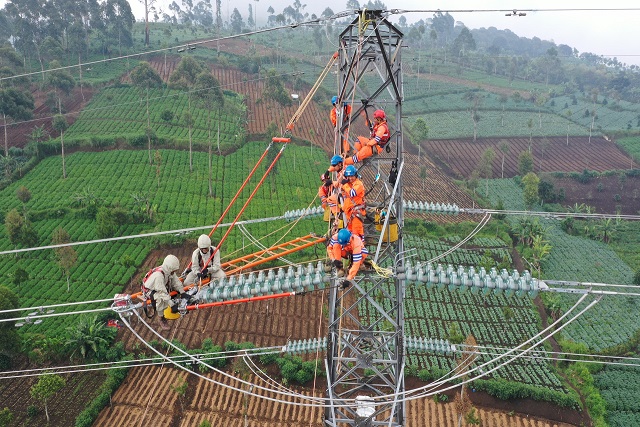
(164, 324)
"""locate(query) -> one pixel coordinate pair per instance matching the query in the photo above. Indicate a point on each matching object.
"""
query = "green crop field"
(458, 124)
(620, 388)
(575, 258)
(121, 113)
(115, 178)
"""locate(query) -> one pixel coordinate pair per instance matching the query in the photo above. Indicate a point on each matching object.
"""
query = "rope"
(303, 105)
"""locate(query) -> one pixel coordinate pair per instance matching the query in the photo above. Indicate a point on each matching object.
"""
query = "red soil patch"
(552, 154)
(18, 134)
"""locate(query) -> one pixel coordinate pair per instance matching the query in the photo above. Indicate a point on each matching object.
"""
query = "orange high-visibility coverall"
(355, 248)
(367, 147)
(346, 113)
(354, 206)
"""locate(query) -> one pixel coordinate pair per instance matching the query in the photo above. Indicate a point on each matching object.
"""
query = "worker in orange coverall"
(379, 138)
(335, 114)
(345, 244)
(354, 203)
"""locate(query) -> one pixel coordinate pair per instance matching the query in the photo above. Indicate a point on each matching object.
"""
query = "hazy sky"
(610, 33)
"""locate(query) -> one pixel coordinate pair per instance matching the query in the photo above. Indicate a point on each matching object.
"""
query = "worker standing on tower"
(336, 112)
(354, 203)
(379, 138)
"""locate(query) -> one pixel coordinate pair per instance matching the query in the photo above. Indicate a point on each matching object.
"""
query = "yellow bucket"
(391, 232)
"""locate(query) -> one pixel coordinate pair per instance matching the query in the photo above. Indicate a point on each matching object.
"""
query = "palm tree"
(606, 229)
(89, 336)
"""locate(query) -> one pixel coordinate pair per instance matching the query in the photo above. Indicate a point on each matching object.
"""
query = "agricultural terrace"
(121, 113)
(145, 201)
(577, 258)
(204, 401)
(549, 154)
(498, 321)
(620, 388)
(311, 126)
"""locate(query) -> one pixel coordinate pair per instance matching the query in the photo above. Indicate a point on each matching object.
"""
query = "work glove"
(186, 296)
(204, 272)
(337, 264)
(346, 283)
(344, 181)
(325, 176)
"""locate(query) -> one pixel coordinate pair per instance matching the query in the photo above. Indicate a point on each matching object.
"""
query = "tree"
(420, 132)
(525, 163)
(66, 255)
(90, 337)
(46, 387)
(485, 167)
(540, 249)
(476, 99)
(504, 149)
(606, 229)
(209, 93)
(463, 42)
(6, 417)
(145, 77)
(61, 81)
(60, 124)
(19, 229)
(148, 5)
(184, 77)
(17, 105)
(530, 126)
(24, 195)
(9, 338)
(157, 159)
(236, 22)
(530, 193)
(274, 89)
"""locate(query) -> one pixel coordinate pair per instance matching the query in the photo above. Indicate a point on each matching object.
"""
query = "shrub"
(268, 359)
(32, 411)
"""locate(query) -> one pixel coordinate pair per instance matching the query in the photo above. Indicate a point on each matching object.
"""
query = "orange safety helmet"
(379, 114)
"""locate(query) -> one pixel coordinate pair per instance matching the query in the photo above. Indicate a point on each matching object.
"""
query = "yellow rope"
(381, 271)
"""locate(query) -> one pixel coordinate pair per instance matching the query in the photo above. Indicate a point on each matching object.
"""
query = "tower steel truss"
(365, 352)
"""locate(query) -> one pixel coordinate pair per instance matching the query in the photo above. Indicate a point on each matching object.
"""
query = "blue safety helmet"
(344, 236)
(334, 100)
(350, 171)
(336, 160)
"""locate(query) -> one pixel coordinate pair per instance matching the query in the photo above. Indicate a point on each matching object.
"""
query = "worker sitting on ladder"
(335, 114)
(157, 285)
(354, 203)
(379, 138)
(345, 244)
(199, 258)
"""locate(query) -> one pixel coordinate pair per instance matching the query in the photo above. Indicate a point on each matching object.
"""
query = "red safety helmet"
(379, 114)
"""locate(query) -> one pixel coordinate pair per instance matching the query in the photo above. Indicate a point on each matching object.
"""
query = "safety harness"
(148, 293)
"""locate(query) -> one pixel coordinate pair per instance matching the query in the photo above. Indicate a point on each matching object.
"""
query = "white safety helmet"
(204, 242)
(171, 263)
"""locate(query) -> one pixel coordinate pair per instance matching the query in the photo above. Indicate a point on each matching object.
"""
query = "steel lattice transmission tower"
(365, 354)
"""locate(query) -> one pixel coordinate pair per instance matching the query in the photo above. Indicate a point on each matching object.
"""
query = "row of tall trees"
(48, 29)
